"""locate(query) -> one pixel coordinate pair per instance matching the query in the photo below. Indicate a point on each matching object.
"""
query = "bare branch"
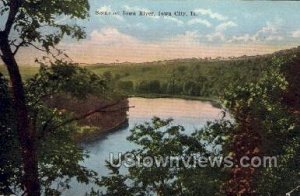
(36, 47)
(116, 110)
(23, 43)
(295, 189)
(83, 116)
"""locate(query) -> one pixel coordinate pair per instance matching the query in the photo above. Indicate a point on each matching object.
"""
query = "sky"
(217, 29)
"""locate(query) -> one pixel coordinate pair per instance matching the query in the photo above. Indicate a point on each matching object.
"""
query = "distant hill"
(187, 77)
(181, 77)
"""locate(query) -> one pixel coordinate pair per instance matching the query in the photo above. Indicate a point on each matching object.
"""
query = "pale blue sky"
(246, 17)
(221, 28)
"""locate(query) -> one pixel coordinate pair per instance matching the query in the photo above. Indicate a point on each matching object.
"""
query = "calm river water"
(191, 114)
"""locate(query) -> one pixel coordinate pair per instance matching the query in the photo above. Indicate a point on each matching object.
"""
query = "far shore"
(213, 100)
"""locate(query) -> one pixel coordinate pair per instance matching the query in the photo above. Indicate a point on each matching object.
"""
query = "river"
(189, 113)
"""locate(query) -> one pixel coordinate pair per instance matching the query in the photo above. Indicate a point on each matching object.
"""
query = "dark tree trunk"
(30, 180)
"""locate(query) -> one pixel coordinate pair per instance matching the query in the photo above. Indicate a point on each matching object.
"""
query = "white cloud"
(135, 8)
(110, 36)
(269, 32)
(215, 36)
(199, 21)
(189, 38)
(219, 31)
(211, 14)
(255, 38)
(243, 38)
(104, 8)
(296, 34)
(269, 28)
(108, 45)
(274, 38)
(225, 25)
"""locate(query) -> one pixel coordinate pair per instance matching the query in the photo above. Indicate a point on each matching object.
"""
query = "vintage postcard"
(148, 97)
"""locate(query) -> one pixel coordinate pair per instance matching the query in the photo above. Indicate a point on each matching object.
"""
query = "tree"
(9, 152)
(154, 86)
(126, 86)
(26, 23)
(191, 88)
(266, 124)
(57, 154)
(164, 163)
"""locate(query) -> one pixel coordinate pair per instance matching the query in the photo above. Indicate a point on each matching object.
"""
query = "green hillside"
(180, 77)
(187, 77)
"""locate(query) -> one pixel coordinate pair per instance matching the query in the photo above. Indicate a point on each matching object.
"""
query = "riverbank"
(213, 100)
(89, 134)
(97, 124)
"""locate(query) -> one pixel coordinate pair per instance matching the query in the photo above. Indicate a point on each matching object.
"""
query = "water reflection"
(188, 113)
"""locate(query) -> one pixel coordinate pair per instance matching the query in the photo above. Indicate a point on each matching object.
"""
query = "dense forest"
(187, 77)
(182, 77)
(39, 153)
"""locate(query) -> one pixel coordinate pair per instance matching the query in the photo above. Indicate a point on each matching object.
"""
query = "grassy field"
(136, 72)
(26, 71)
